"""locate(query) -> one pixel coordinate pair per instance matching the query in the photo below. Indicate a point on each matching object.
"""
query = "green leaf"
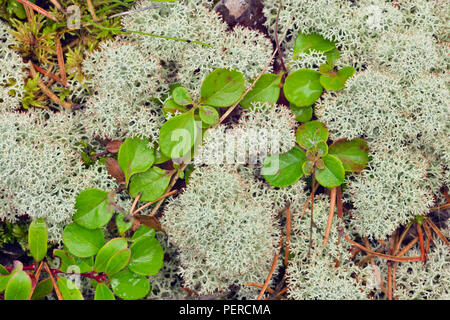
(222, 88)
(266, 89)
(93, 209)
(170, 106)
(3, 270)
(336, 81)
(82, 242)
(121, 225)
(151, 184)
(37, 239)
(325, 69)
(102, 292)
(160, 157)
(143, 231)
(181, 96)
(281, 170)
(70, 264)
(177, 136)
(321, 148)
(135, 156)
(146, 256)
(310, 133)
(302, 114)
(68, 289)
(209, 115)
(333, 174)
(66, 260)
(332, 56)
(42, 289)
(18, 287)
(129, 285)
(302, 87)
(107, 251)
(308, 167)
(118, 261)
(307, 42)
(354, 154)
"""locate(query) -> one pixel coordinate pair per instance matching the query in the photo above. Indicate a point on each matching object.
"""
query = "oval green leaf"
(170, 106)
(42, 289)
(143, 231)
(354, 154)
(266, 89)
(302, 114)
(151, 184)
(93, 209)
(102, 292)
(18, 287)
(281, 170)
(135, 156)
(307, 42)
(107, 251)
(68, 289)
(118, 261)
(209, 115)
(121, 225)
(302, 87)
(333, 174)
(146, 256)
(128, 285)
(310, 133)
(336, 81)
(82, 242)
(222, 88)
(332, 56)
(177, 136)
(181, 96)
(37, 239)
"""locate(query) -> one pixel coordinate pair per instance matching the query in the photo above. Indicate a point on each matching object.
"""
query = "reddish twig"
(330, 215)
(421, 242)
(92, 10)
(436, 229)
(272, 270)
(168, 194)
(55, 285)
(258, 285)
(37, 9)
(60, 56)
(48, 74)
(288, 236)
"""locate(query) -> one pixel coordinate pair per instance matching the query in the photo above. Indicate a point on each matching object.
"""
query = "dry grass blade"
(37, 9)
(92, 10)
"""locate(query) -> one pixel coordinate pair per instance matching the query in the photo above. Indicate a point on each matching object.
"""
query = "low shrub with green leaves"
(306, 160)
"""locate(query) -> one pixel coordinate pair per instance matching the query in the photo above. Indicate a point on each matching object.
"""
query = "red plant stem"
(38, 9)
(55, 285)
(48, 74)
(288, 236)
(421, 243)
(330, 216)
(436, 229)
(272, 270)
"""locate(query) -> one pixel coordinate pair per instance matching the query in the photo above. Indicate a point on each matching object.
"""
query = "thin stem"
(60, 56)
(288, 237)
(436, 229)
(272, 270)
(159, 199)
(37, 9)
(312, 211)
(55, 285)
(330, 215)
(421, 243)
(92, 10)
(258, 285)
(277, 42)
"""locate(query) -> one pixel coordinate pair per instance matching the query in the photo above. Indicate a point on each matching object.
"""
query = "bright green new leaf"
(107, 251)
(128, 285)
(336, 81)
(118, 261)
(354, 154)
(281, 170)
(102, 292)
(209, 115)
(332, 56)
(302, 87)
(82, 242)
(181, 96)
(310, 133)
(143, 231)
(333, 173)
(135, 156)
(266, 89)
(177, 136)
(68, 289)
(302, 114)
(307, 42)
(37, 239)
(308, 167)
(3, 270)
(42, 289)
(121, 225)
(222, 88)
(151, 184)
(18, 287)
(93, 209)
(170, 106)
(146, 256)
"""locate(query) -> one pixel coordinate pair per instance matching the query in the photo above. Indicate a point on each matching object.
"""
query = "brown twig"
(37, 9)
(47, 91)
(421, 242)
(436, 229)
(55, 285)
(92, 10)
(288, 237)
(330, 215)
(168, 194)
(375, 269)
(258, 285)
(47, 74)
(312, 212)
(443, 207)
(58, 6)
(307, 202)
(136, 222)
(429, 236)
(36, 277)
(272, 270)
(277, 42)
(60, 56)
